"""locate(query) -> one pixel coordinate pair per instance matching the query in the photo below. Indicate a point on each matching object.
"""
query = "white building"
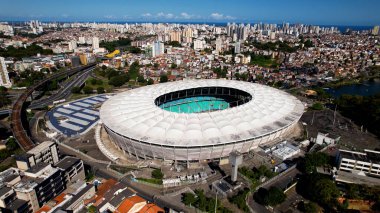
(95, 42)
(198, 44)
(218, 45)
(4, 77)
(158, 48)
(362, 163)
(285, 151)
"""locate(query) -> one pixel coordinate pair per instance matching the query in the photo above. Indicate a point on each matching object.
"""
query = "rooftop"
(40, 147)
(134, 114)
(67, 162)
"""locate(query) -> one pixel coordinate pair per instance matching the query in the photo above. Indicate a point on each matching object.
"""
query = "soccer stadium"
(197, 120)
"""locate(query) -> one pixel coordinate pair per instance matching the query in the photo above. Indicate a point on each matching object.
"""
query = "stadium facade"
(196, 120)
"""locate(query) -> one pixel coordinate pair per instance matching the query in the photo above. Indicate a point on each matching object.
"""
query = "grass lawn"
(264, 61)
(104, 84)
(151, 180)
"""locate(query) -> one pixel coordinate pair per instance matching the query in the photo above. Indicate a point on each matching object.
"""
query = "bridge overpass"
(19, 106)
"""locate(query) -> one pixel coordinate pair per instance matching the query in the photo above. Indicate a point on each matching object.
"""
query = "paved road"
(63, 93)
(148, 193)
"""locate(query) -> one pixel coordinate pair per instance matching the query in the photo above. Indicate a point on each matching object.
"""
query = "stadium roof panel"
(135, 115)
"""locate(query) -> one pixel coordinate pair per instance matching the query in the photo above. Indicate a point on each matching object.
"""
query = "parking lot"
(77, 117)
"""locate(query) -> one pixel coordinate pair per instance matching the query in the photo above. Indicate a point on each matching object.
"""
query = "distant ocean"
(341, 28)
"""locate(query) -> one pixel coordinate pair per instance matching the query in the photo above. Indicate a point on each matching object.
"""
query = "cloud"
(186, 16)
(164, 15)
(146, 15)
(109, 17)
(65, 15)
(219, 16)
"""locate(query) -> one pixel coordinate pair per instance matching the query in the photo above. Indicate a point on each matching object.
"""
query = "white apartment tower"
(4, 78)
(95, 43)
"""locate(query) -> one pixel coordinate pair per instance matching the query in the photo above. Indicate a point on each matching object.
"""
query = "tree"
(150, 81)
(4, 99)
(173, 66)
(272, 197)
(188, 199)
(87, 90)
(92, 209)
(93, 81)
(76, 90)
(100, 90)
(157, 174)
(275, 196)
(317, 106)
(163, 78)
(141, 79)
(314, 160)
(156, 65)
(326, 191)
(309, 207)
(116, 81)
(12, 144)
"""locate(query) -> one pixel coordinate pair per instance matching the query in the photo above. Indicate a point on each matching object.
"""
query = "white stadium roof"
(135, 115)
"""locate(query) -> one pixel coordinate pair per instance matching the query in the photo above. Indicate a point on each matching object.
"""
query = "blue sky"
(322, 12)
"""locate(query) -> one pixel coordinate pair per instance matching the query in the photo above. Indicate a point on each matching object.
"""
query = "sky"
(319, 12)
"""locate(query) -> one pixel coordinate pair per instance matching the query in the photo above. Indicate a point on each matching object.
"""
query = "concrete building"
(46, 152)
(199, 44)
(4, 77)
(158, 49)
(365, 163)
(175, 36)
(95, 43)
(237, 47)
(375, 30)
(72, 168)
(285, 151)
(38, 184)
(218, 45)
(326, 138)
(236, 158)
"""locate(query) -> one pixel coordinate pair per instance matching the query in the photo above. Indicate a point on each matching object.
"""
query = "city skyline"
(352, 13)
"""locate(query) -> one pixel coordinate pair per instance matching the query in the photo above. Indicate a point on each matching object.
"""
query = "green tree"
(163, 78)
(156, 65)
(92, 209)
(317, 106)
(93, 81)
(87, 90)
(4, 99)
(150, 81)
(326, 191)
(116, 81)
(76, 90)
(188, 199)
(100, 90)
(173, 66)
(12, 144)
(141, 79)
(157, 174)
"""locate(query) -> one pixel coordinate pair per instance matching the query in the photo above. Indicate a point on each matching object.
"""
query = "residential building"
(4, 77)
(39, 184)
(46, 152)
(95, 43)
(375, 30)
(72, 168)
(158, 49)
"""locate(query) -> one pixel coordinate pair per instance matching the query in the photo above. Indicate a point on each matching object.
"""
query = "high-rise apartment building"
(95, 43)
(175, 36)
(4, 77)
(375, 30)
(158, 48)
(218, 45)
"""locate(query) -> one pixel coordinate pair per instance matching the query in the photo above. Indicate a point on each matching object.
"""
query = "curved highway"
(19, 106)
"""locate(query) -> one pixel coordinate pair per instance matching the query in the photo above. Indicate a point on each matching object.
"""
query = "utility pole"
(216, 200)
(334, 115)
